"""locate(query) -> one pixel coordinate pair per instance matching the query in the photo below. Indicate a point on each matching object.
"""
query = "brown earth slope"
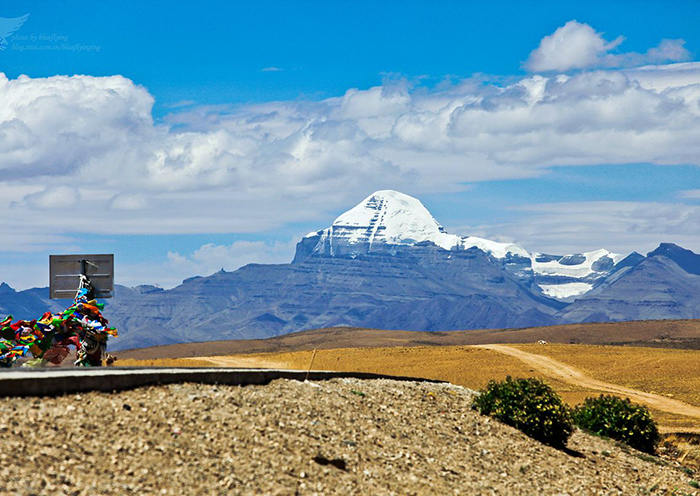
(332, 437)
(657, 333)
(666, 380)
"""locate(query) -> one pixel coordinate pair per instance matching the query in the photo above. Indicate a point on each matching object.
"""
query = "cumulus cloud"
(572, 46)
(577, 45)
(88, 147)
(622, 227)
(55, 126)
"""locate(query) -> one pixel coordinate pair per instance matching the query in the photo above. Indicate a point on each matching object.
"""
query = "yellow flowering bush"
(620, 419)
(529, 405)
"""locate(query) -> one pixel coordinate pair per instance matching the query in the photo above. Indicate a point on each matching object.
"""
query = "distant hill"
(683, 334)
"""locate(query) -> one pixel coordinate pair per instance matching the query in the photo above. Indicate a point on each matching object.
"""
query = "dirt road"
(571, 375)
(545, 365)
(241, 362)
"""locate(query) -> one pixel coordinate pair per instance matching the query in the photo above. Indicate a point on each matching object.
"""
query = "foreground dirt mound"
(335, 437)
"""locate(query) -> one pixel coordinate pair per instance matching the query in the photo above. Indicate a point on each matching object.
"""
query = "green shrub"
(529, 405)
(619, 419)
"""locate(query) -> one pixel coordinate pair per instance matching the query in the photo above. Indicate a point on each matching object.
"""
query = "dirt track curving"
(571, 375)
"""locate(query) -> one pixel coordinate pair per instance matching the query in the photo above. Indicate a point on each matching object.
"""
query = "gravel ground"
(342, 436)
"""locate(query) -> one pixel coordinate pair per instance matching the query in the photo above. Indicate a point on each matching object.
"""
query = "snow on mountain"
(393, 218)
(578, 265)
(387, 219)
(496, 249)
(564, 277)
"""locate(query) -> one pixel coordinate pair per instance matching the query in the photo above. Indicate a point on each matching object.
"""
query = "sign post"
(69, 273)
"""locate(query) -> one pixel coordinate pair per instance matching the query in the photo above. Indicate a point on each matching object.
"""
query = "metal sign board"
(65, 272)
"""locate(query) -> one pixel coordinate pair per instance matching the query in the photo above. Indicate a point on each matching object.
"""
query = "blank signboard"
(65, 270)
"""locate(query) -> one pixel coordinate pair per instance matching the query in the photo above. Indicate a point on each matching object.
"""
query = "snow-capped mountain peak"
(393, 218)
(387, 220)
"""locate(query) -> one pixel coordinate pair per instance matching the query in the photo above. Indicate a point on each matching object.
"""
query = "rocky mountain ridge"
(387, 219)
(388, 264)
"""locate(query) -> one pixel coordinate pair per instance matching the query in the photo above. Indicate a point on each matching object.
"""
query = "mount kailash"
(387, 263)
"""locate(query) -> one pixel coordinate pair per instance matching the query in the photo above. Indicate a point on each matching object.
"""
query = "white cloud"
(126, 201)
(180, 104)
(206, 260)
(668, 50)
(690, 193)
(87, 147)
(572, 46)
(271, 69)
(52, 197)
(577, 45)
(560, 228)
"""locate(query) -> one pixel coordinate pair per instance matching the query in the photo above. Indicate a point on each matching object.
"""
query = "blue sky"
(213, 52)
(216, 134)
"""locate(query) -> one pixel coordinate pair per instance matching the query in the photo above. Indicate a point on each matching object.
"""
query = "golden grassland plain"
(674, 373)
(668, 372)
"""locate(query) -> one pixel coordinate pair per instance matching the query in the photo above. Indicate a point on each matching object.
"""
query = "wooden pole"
(310, 364)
